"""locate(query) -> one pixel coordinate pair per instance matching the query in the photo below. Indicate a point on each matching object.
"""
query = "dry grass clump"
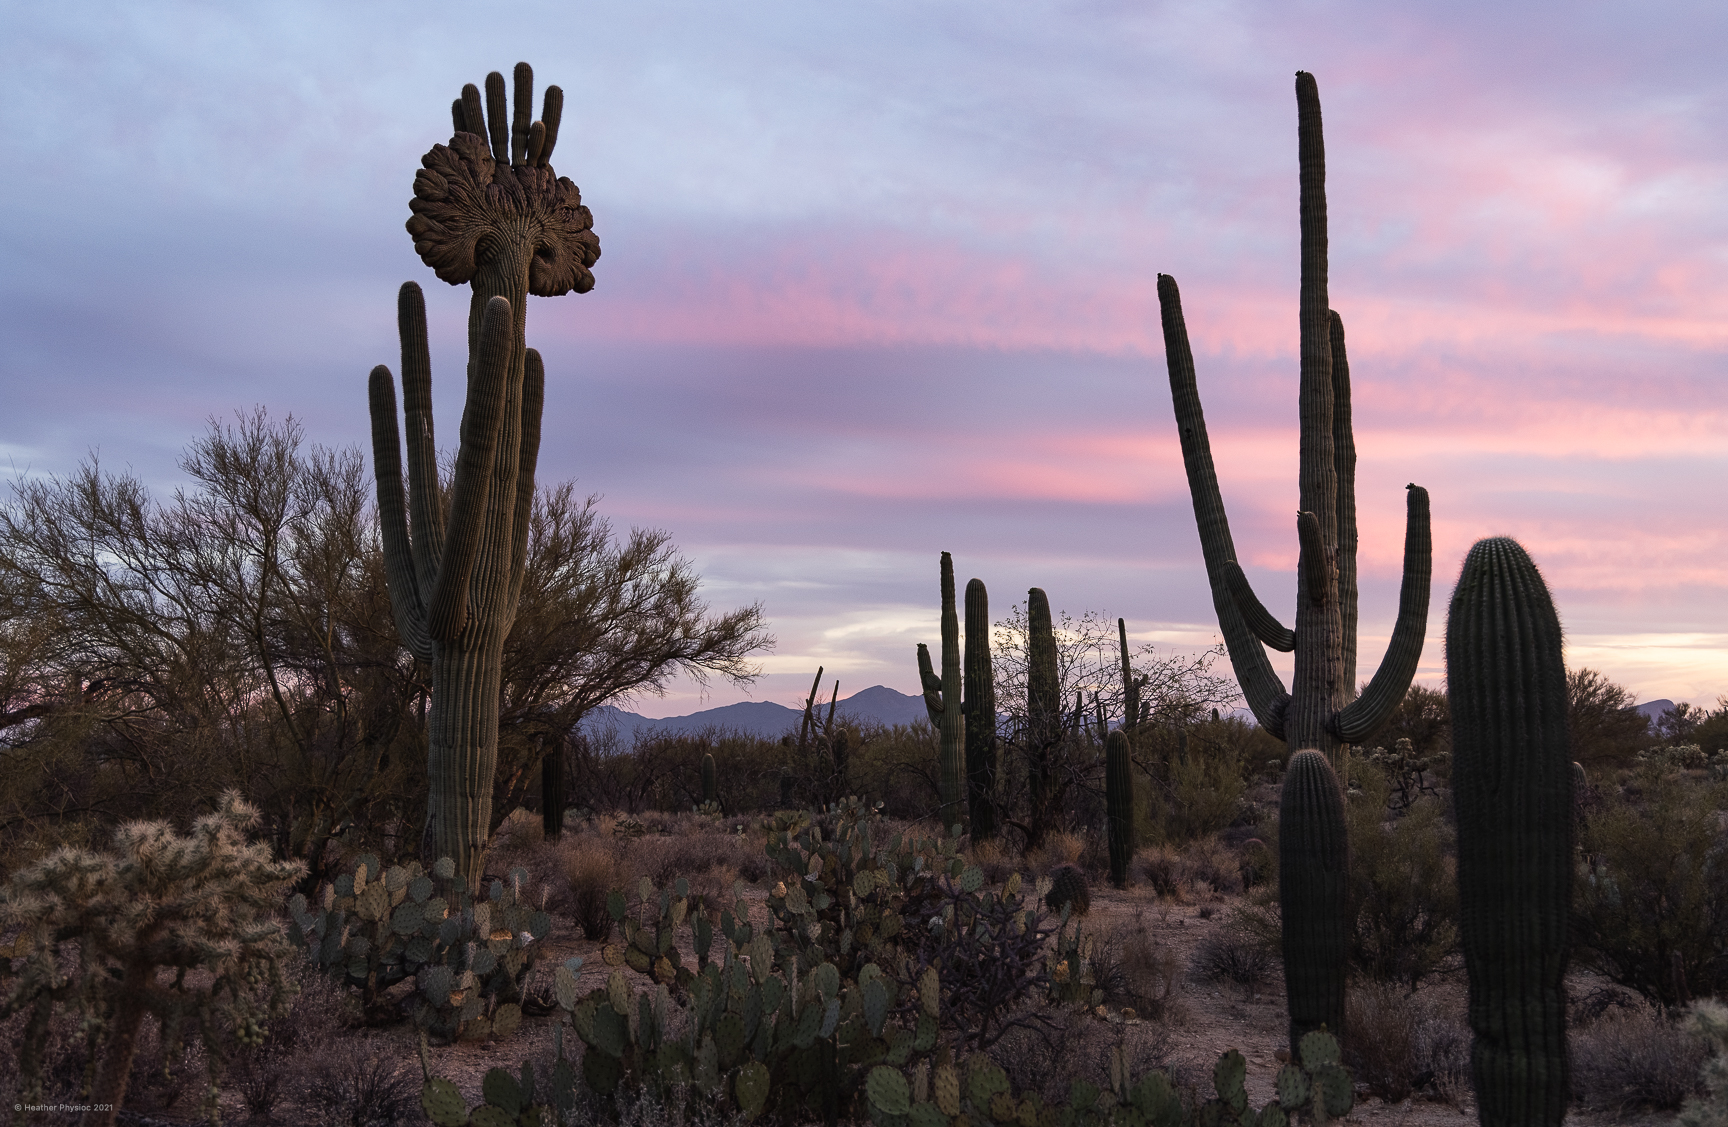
(1059, 848)
(591, 872)
(1231, 955)
(1144, 969)
(1401, 1044)
(1633, 1057)
(996, 859)
(1203, 869)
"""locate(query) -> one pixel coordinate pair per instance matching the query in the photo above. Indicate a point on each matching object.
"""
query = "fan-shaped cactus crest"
(489, 211)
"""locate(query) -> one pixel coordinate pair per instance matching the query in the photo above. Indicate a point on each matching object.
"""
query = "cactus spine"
(1318, 712)
(1513, 783)
(497, 216)
(943, 705)
(1313, 884)
(708, 787)
(979, 705)
(1118, 806)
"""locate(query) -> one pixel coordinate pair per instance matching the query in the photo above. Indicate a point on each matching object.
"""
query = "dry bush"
(996, 859)
(1060, 848)
(1149, 970)
(1049, 1063)
(321, 1007)
(1401, 1044)
(357, 1083)
(591, 872)
(1633, 1058)
(1231, 955)
(1175, 872)
(691, 854)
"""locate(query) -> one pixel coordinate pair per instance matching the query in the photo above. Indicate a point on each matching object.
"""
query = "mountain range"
(763, 718)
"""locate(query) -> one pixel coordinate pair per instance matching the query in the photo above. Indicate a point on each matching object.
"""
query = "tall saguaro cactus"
(489, 211)
(1320, 711)
(943, 704)
(979, 704)
(1118, 806)
(1313, 885)
(1512, 780)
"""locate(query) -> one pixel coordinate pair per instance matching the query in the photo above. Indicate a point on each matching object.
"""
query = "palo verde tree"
(1318, 711)
(490, 212)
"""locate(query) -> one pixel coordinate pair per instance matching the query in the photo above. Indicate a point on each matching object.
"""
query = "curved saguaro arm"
(405, 602)
(932, 686)
(1344, 462)
(1261, 621)
(1260, 685)
(1392, 680)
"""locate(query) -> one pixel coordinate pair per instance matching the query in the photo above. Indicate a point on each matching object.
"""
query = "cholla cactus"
(158, 901)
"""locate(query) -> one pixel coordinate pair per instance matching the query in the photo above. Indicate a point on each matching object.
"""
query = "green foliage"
(1403, 883)
(203, 902)
(1406, 773)
(469, 956)
(1652, 894)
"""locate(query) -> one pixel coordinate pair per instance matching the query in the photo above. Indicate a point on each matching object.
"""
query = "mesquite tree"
(1318, 711)
(488, 211)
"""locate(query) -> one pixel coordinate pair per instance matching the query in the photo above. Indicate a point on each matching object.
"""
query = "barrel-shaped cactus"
(1513, 781)
(1313, 891)
(979, 704)
(1118, 806)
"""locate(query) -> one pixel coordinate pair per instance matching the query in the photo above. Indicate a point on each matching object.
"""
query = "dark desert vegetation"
(413, 887)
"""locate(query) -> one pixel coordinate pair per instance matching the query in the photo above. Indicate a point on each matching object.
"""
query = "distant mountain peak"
(761, 718)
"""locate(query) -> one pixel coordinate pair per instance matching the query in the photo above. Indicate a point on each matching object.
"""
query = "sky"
(879, 281)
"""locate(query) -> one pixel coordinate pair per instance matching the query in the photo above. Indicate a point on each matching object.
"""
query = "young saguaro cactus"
(1313, 885)
(709, 781)
(1321, 710)
(493, 214)
(1512, 779)
(980, 708)
(1118, 806)
(943, 704)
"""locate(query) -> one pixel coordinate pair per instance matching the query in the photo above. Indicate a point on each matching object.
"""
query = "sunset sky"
(879, 281)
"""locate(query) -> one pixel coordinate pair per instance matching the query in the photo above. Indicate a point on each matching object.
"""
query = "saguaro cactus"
(1118, 806)
(710, 790)
(1319, 711)
(943, 704)
(1130, 683)
(1313, 884)
(492, 214)
(979, 705)
(1512, 780)
(1043, 708)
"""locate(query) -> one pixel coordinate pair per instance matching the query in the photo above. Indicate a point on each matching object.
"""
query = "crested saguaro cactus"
(1318, 711)
(943, 704)
(980, 708)
(488, 211)
(1512, 780)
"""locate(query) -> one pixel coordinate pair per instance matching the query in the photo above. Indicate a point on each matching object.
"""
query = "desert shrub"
(358, 1083)
(1708, 1021)
(1400, 1044)
(1634, 1058)
(1059, 848)
(1068, 890)
(995, 859)
(1228, 954)
(1403, 884)
(1193, 794)
(1176, 871)
(591, 873)
(1079, 1049)
(1652, 894)
(1149, 969)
